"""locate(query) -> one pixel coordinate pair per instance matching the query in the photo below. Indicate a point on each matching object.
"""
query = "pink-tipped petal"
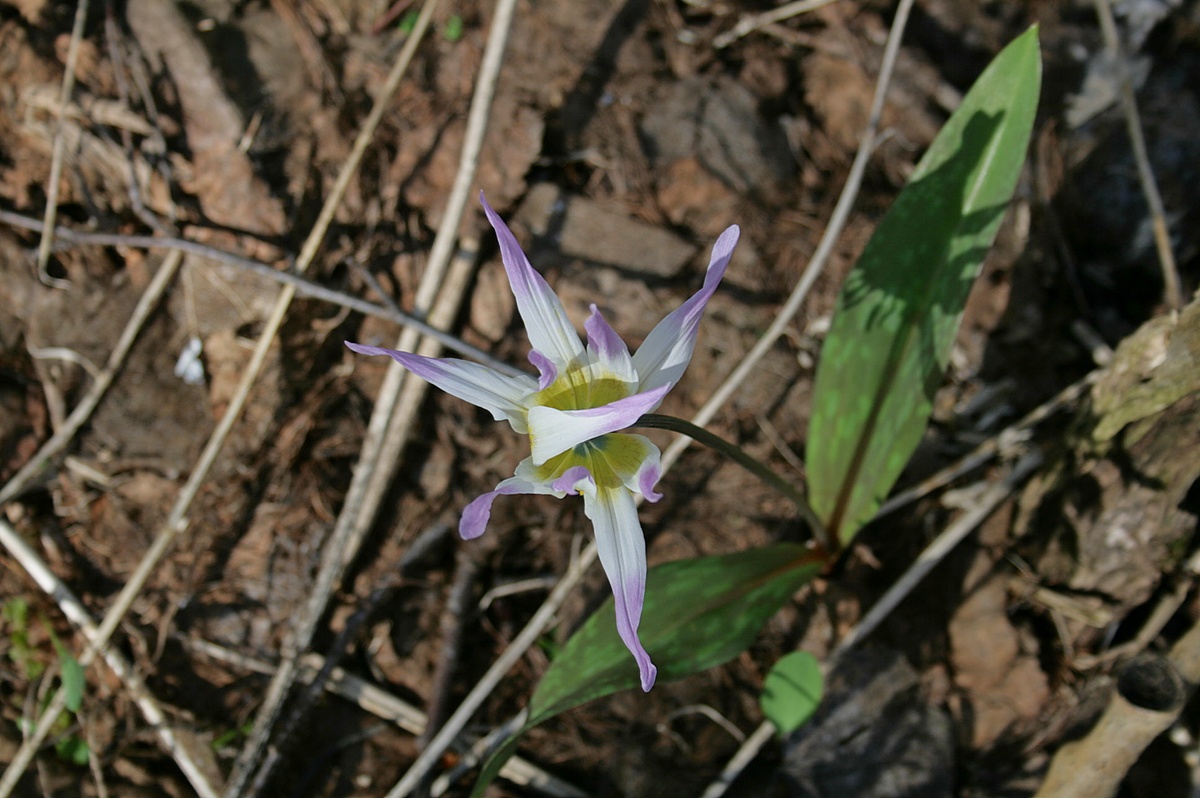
(499, 394)
(664, 355)
(635, 460)
(550, 331)
(622, 549)
(606, 348)
(552, 432)
(649, 472)
(476, 515)
(575, 479)
(547, 371)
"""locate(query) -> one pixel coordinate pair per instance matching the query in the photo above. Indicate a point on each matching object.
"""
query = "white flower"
(573, 414)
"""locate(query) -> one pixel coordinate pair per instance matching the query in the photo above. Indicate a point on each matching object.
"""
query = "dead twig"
(195, 772)
(1149, 696)
(383, 705)
(1172, 293)
(312, 691)
(841, 213)
(83, 411)
(454, 614)
(273, 702)
(56, 159)
(112, 35)
(753, 22)
(990, 448)
(302, 286)
(399, 398)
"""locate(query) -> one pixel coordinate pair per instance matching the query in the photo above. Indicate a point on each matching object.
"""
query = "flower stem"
(739, 456)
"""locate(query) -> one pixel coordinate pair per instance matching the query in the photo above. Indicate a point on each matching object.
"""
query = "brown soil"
(228, 122)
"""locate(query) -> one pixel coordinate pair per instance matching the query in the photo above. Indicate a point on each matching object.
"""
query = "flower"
(574, 412)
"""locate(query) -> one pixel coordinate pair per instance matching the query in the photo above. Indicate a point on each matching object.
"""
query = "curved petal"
(622, 549)
(547, 371)
(475, 515)
(642, 475)
(552, 432)
(575, 479)
(550, 331)
(499, 394)
(606, 349)
(664, 355)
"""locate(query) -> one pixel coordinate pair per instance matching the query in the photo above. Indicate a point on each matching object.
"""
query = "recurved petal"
(501, 395)
(664, 355)
(575, 480)
(552, 432)
(550, 331)
(547, 371)
(476, 514)
(622, 549)
(636, 460)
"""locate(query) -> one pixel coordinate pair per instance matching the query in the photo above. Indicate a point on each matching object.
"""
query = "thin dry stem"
(454, 615)
(937, 550)
(273, 703)
(841, 213)
(56, 158)
(304, 287)
(990, 448)
(753, 22)
(83, 411)
(399, 398)
(1172, 294)
(59, 441)
(381, 704)
(74, 610)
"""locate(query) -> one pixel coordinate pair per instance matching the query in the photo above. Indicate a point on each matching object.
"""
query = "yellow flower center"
(610, 459)
(582, 388)
(606, 457)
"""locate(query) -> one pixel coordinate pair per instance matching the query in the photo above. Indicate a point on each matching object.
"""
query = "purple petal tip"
(649, 674)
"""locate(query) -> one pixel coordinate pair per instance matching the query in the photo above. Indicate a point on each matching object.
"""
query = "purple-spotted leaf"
(900, 308)
(698, 614)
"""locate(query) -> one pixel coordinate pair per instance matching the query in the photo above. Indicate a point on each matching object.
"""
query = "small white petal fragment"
(188, 367)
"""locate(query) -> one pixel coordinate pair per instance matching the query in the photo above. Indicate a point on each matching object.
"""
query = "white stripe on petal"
(499, 394)
(664, 355)
(552, 432)
(550, 331)
(622, 549)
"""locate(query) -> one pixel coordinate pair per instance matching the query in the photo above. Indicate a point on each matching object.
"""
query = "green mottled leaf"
(72, 675)
(792, 691)
(698, 614)
(900, 308)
